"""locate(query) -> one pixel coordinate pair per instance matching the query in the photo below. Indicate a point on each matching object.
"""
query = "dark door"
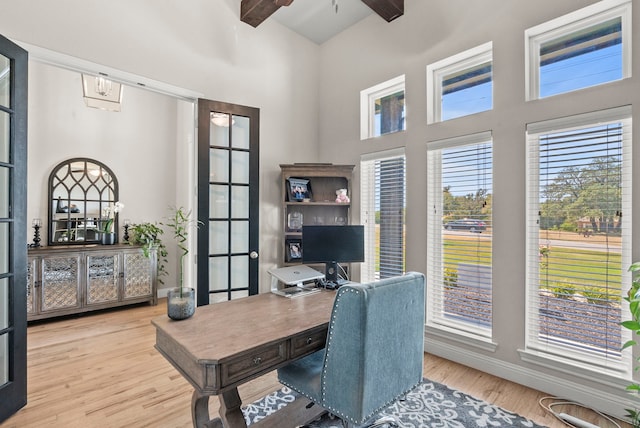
(228, 179)
(13, 235)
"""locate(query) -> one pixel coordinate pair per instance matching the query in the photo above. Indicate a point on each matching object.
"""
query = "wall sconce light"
(100, 92)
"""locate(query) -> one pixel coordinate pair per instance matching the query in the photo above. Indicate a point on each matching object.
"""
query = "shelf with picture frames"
(315, 205)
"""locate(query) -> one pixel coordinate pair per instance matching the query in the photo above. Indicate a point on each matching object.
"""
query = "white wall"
(137, 144)
(373, 51)
(199, 45)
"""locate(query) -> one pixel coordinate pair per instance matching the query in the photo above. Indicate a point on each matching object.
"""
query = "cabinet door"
(60, 283)
(103, 277)
(138, 280)
(32, 267)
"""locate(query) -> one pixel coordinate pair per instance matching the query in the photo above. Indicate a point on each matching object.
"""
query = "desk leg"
(230, 413)
(200, 412)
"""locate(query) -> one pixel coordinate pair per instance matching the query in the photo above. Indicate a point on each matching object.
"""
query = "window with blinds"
(460, 193)
(460, 85)
(383, 199)
(578, 249)
(586, 48)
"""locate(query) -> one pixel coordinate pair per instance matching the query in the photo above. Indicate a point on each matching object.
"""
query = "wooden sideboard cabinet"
(73, 279)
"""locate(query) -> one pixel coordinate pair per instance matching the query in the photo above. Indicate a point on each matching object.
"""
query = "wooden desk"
(226, 344)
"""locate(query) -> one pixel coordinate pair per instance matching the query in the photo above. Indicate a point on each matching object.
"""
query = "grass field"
(563, 269)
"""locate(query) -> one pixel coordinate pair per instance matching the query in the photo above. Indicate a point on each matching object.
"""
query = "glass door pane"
(4, 136)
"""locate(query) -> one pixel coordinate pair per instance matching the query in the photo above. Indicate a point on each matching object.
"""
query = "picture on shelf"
(294, 222)
(299, 189)
(293, 250)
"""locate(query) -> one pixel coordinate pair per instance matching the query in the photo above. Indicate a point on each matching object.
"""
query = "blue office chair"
(374, 350)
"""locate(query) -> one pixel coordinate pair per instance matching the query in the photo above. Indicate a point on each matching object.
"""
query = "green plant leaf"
(180, 222)
(631, 325)
(633, 387)
(147, 235)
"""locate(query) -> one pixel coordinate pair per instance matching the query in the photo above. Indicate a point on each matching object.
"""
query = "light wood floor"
(101, 370)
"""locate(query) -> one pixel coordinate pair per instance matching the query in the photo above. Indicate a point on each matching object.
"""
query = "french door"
(13, 236)
(228, 184)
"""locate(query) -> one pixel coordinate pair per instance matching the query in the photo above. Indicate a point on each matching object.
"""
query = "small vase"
(181, 303)
(108, 238)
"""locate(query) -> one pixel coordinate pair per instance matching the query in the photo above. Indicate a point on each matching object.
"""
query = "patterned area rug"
(430, 404)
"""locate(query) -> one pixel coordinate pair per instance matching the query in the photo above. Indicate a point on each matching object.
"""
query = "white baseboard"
(607, 403)
(162, 292)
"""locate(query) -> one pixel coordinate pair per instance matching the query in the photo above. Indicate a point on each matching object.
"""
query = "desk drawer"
(249, 365)
(307, 343)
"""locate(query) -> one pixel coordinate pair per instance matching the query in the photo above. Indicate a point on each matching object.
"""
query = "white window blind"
(383, 199)
(578, 249)
(459, 269)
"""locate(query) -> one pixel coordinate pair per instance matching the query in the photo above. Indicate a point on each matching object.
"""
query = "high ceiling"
(318, 20)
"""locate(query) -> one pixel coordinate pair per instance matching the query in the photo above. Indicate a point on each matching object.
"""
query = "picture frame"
(299, 189)
(294, 221)
(293, 250)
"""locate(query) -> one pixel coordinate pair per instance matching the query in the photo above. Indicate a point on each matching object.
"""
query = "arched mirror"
(80, 189)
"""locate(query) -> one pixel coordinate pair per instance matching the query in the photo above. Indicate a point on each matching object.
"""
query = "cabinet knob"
(253, 255)
(309, 340)
(257, 360)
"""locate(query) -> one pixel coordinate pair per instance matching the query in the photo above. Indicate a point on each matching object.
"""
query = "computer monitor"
(332, 245)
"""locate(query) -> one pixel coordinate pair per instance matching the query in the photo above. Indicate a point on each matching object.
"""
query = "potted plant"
(633, 297)
(181, 303)
(147, 235)
(107, 235)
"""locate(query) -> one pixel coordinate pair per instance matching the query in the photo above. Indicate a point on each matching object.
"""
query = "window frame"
(368, 99)
(453, 64)
(471, 334)
(581, 19)
(543, 353)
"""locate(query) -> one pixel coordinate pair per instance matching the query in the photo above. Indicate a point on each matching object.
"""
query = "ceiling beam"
(253, 12)
(387, 9)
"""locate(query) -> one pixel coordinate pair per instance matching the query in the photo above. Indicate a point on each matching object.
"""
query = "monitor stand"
(332, 280)
(331, 272)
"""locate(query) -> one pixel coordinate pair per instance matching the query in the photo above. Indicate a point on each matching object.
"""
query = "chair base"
(385, 421)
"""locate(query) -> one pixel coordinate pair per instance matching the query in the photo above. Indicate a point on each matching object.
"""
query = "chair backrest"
(375, 346)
